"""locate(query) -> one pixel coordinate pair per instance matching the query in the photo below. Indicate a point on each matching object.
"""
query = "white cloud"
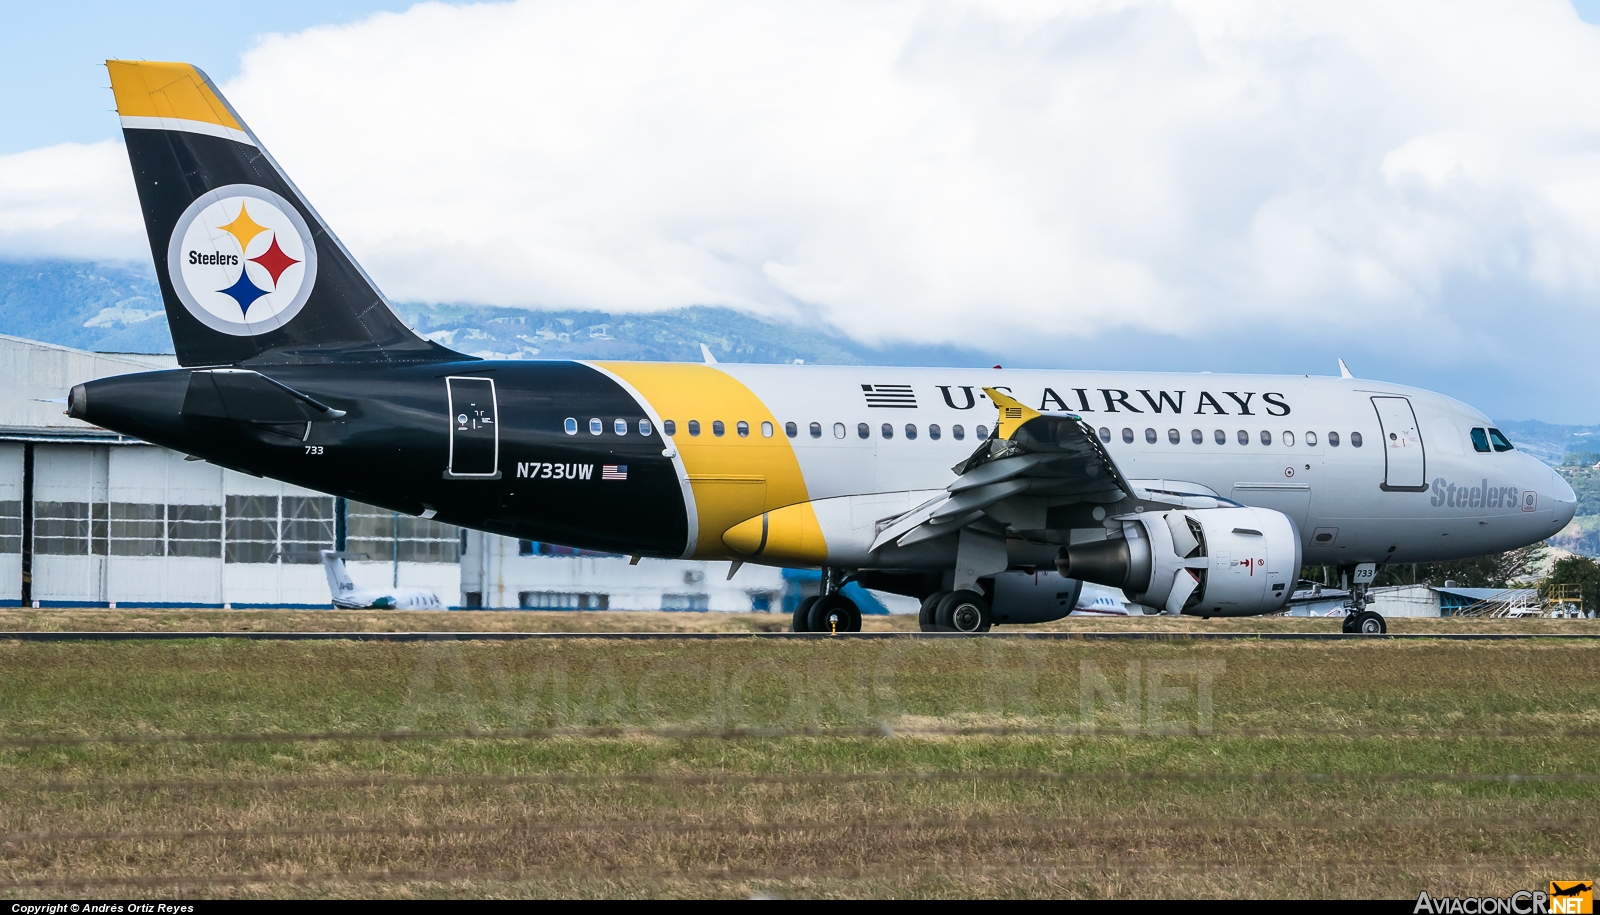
(932, 172)
(74, 200)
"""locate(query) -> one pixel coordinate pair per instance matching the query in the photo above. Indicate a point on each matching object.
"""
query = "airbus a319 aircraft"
(988, 494)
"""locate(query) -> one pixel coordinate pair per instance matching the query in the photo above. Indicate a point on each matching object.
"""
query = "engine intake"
(1213, 562)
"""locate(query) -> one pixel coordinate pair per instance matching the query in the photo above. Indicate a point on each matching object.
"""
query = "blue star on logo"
(244, 292)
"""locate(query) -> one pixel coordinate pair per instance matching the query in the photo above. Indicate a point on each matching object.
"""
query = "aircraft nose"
(1566, 501)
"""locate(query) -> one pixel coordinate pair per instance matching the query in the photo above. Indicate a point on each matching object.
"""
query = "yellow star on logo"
(244, 228)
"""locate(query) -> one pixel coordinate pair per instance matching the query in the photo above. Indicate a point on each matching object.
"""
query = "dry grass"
(1008, 815)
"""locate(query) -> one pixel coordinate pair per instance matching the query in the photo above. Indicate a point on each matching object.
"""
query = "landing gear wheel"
(963, 611)
(834, 613)
(1350, 619)
(1370, 623)
(930, 606)
(802, 614)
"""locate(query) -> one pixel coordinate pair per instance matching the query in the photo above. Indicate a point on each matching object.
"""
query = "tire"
(802, 613)
(930, 605)
(1350, 620)
(1370, 623)
(834, 613)
(963, 611)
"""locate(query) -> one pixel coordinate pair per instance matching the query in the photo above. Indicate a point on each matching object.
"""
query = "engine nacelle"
(1032, 597)
(1211, 562)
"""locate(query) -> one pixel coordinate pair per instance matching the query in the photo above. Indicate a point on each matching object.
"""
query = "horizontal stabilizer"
(249, 396)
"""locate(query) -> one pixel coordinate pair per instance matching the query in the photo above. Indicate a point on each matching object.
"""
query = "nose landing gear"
(1360, 620)
(829, 611)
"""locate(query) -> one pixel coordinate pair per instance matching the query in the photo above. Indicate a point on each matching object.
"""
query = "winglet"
(706, 352)
(1012, 413)
(1344, 370)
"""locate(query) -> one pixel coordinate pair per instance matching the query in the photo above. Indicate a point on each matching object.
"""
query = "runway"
(295, 636)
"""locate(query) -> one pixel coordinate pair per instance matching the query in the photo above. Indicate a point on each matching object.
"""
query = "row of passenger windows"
(597, 426)
(1221, 437)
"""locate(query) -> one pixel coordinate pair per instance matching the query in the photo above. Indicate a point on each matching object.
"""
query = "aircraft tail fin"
(248, 271)
(339, 581)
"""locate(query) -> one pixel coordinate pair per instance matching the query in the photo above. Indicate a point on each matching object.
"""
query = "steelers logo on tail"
(242, 260)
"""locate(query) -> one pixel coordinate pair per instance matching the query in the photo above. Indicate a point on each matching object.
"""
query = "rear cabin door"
(474, 429)
(1405, 467)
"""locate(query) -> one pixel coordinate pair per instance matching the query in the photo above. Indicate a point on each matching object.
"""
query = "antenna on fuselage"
(1344, 370)
(706, 352)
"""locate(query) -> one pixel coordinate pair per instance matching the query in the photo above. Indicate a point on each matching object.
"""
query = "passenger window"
(571, 425)
(1173, 436)
(816, 430)
(620, 427)
(958, 432)
(694, 427)
(670, 426)
(1288, 437)
(596, 426)
(1480, 441)
(1355, 440)
(717, 428)
(838, 430)
(1150, 436)
(1266, 437)
(1127, 435)
(644, 427)
(1105, 435)
(791, 430)
(1501, 443)
(1221, 437)
(933, 431)
(743, 428)
(1196, 436)
(1311, 439)
(911, 430)
(766, 430)
(1244, 437)
(982, 432)
(888, 430)
(863, 430)
(1333, 439)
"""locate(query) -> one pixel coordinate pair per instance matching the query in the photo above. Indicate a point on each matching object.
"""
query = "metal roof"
(39, 375)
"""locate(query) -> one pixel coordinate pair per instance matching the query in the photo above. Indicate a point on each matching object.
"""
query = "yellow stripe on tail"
(147, 89)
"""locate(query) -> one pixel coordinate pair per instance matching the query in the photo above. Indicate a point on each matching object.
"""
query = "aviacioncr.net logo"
(242, 260)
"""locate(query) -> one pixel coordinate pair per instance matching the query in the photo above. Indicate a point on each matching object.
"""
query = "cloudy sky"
(1222, 185)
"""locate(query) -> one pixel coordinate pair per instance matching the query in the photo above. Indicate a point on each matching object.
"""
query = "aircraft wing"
(1035, 463)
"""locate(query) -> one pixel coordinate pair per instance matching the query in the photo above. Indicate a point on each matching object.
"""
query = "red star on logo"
(274, 261)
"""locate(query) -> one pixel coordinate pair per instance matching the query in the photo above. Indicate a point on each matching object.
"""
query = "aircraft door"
(1405, 467)
(474, 429)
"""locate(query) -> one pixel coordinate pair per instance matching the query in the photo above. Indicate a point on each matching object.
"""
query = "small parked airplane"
(346, 596)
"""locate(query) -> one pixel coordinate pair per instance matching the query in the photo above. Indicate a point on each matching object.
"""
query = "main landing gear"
(955, 611)
(829, 611)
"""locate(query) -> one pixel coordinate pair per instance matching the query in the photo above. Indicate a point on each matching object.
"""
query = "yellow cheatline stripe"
(734, 478)
(175, 91)
(788, 535)
(1012, 413)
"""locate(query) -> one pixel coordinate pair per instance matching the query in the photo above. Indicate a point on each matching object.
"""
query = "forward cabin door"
(1405, 465)
(474, 429)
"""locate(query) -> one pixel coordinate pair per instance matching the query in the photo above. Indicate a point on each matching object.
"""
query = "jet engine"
(1211, 562)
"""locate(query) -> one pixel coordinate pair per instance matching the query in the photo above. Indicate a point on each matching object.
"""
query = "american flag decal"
(614, 471)
(890, 395)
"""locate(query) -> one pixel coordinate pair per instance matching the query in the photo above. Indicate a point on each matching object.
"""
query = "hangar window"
(1480, 441)
(1196, 436)
(743, 428)
(307, 528)
(67, 528)
(911, 430)
(1221, 437)
(669, 426)
(1105, 434)
(1311, 439)
(138, 529)
(251, 528)
(1150, 436)
(644, 427)
(863, 430)
(838, 430)
(1127, 435)
(1501, 443)
(620, 427)
(1333, 439)
(766, 430)
(694, 427)
(1173, 436)
(596, 426)
(982, 432)
(888, 430)
(571, 425)
(1288, 437)
(388, 536)
(1266, 437)
(11, 526)
(933, 431)
(958, 432)
(1355, 440)
(718, 429)
(194, 530)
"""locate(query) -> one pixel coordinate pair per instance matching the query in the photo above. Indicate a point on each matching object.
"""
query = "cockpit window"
(1501, 443)
(1480, 441)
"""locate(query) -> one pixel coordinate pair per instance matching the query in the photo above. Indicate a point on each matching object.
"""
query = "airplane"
(990, 495)
(346, 596)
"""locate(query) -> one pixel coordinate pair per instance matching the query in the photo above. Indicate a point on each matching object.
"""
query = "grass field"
(822, 769)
